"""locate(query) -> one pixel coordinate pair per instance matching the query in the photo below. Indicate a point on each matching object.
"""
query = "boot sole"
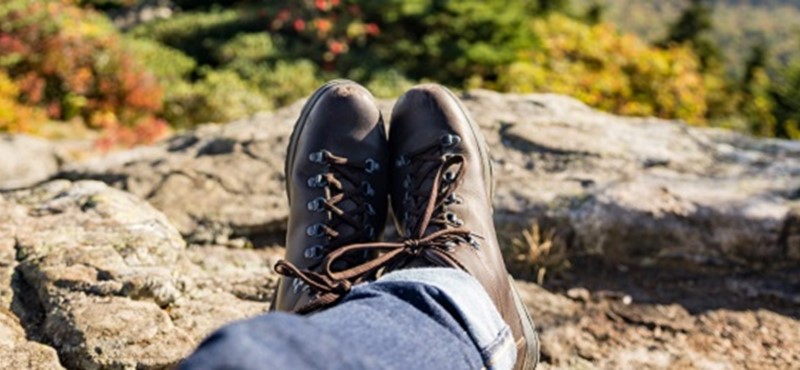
(528, 328)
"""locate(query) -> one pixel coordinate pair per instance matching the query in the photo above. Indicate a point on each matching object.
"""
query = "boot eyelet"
(317, 181)
(368, 190)
(315, 231)
(450, 140)
(473, 242)
(313, 252)
(317, 157)
(297, 285)
(402, 161)
(407, 182)
(316, 205)
(452, 199)
(453, 219)
(370, 209)
(450, 246)
(372, 166)
(449, 176)
(370, 231)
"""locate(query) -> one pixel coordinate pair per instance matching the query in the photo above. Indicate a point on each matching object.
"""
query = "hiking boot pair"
(435, 167)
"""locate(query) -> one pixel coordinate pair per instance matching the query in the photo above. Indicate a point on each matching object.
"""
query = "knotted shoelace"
(431, 229)
(340, 183)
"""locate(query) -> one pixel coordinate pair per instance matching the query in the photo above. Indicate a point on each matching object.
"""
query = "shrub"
(15, 117)
(70, 63)
(388, 84)
(219, 96)
(284, 49)
(168, 64)
(246, 47)
(446, 40)
(199, 34)
(614, 72)
(107, 4)
(786, 95)
(284, 82)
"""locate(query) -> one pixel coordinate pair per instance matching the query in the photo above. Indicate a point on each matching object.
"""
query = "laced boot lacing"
(339, 181)
(434, 173)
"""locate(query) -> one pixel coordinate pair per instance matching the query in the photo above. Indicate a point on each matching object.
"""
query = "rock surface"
(647, 318)
(132, 271)
(641, 190)
(217, 184)
(25, 161)
(17, 352)
(636, 190)
(106, 280)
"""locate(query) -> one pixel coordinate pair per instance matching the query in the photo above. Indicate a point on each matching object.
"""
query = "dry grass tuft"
(539, 251)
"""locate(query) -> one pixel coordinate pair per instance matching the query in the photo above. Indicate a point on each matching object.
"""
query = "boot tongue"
(348, 206)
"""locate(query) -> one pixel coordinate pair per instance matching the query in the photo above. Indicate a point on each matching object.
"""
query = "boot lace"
(435, 172)
(340, 181)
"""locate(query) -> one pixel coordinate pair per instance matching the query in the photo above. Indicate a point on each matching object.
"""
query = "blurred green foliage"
(786, 96)
(463, 39)
(216, 61)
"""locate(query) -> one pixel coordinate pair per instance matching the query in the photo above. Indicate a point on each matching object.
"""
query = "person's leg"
(429, 318)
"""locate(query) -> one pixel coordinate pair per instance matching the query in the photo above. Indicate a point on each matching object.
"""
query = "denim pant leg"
(429, 318)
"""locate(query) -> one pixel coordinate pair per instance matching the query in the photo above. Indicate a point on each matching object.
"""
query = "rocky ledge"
(639, 190)
(129, 259)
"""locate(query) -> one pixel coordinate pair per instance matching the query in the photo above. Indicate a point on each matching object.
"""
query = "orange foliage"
(15, 117)
(71, 64)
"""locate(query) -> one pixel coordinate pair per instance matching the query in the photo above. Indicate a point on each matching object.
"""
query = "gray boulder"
(218, 184)
(635, 190)
(107, 281)
(25, 161)
(641, 190)
(17, 349)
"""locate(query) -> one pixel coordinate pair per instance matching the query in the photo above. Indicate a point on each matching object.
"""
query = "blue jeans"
(426, 318)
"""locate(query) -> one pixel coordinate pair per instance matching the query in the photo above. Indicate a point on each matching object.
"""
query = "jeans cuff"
(487, 329)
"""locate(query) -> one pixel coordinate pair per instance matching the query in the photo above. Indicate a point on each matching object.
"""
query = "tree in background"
(757, 104)
(693, 28)
(786, 96)
(551, 6)
(594, 13)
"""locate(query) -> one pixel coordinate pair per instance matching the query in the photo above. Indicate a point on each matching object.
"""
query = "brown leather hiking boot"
(336, 182)
(441, 188)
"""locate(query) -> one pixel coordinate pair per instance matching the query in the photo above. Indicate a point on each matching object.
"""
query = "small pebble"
(579, 294)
